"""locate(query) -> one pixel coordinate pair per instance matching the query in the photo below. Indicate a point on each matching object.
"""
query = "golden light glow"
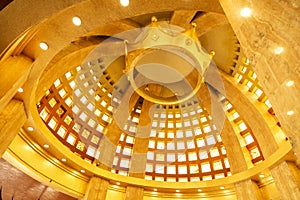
(76, 21)
(290, 83)
(222, 187)
(177, 190)
(278, 50)
(64, 160)
(247, 61)
(261, 176)
(20, 90)
(44, 46)
(246, 12)
(124, 3)
(82, 171)
(290, 112)
(46, 146)
(29, 128)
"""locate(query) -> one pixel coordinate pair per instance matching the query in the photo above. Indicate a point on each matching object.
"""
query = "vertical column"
(12, 118)
(139, 155)
(97, 189)
(13, 74)
(245, 190)
(140, 147)
(285, 182)
(134, 193)
(260, 126)
(295, 169)
(109, 142)
(108, 145)
(270, 39)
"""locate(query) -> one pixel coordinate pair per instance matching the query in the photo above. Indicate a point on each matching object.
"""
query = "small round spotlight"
(44, 46)
(246, 12)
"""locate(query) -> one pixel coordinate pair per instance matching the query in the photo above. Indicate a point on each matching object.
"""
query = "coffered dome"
(157, 100)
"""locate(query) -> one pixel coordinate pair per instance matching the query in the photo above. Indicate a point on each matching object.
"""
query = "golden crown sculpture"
(160, 50)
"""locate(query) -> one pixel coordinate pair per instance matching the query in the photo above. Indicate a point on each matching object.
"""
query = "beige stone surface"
(13, 74)
(97, 189)
(247, 190)
(273, 24)
(285, 182)
(12, 118)
(134, 193)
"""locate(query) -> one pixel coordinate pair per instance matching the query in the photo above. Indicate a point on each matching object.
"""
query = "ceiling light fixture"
(118, 183)
(199, 190)
(76, 21)
(82, 171)
(20, 90)
(246, 12)
(290, 112)
(261, 176)
(155, 189)
(64, 160)
(247, 61)
(177, 190)
(222, 187)
(124, 3)
(46, 146)
(44, 46)
(30, 128)
(278, 50)
(290, 83)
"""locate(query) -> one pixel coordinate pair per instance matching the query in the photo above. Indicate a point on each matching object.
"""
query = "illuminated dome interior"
(150, 101)
(180, 140)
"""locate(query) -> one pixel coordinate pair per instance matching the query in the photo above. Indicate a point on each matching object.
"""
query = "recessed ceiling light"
(76, 21)
(261, 176)
(118, 183)
(115, 186)
(199, 190)
(124, 3)
(290, 83)
(278, 50)
(247, 61)
(30, 128)
(290, 112)
(27, 147)
(64, 159)
(44, 46)
(155, 189)
(46, 146)
(177, 190)
(82, 171)
(246, 12)
(222, 187)
(20, 90)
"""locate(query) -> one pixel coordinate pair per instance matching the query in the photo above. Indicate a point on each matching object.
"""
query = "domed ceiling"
(94, 109)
